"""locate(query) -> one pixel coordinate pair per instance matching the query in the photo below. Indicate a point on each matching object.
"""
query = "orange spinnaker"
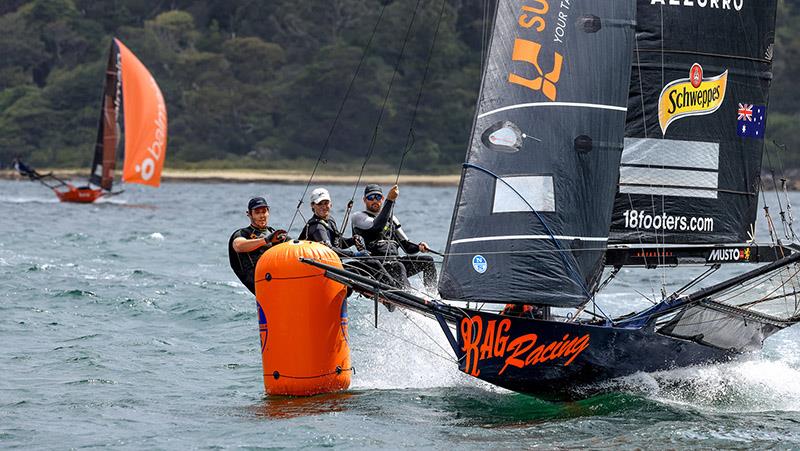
(145, 121)
(302, 321)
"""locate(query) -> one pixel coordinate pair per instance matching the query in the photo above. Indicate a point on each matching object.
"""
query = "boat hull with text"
(553, 359)
(79, 195)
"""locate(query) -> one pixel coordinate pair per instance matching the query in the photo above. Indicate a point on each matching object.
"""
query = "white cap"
(319, 194)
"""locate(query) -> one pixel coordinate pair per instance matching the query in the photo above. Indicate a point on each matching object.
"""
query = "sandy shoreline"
(249, 176)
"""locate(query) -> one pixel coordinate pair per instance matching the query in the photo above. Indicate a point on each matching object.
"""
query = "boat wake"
(407, 350)
(756, 385)
(27, 200)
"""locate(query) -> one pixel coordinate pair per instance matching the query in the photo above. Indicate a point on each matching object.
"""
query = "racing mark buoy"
(302, 319)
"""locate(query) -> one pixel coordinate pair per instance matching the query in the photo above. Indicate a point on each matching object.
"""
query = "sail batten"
(553, 104)
(535, 199)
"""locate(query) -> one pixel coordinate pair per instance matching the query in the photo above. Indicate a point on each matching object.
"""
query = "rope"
(405, 340)
(374, 139)
(410, 137)
(339, 370)
(338, 115)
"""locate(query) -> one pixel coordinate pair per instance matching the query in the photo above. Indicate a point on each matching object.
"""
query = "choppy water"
(122, 326)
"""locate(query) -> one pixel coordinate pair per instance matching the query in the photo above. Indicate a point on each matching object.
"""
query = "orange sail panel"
(145, 121)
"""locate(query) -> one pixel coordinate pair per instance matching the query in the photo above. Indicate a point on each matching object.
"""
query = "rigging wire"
(401, 338)
(374, 138)
(782, 213)
(410, 137)
(792, 236)
(338, 115)
(424, 332)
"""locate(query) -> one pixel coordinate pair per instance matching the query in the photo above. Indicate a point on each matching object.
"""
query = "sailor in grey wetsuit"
(383, 237)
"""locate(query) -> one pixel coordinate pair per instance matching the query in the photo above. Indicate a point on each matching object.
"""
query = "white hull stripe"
(528, 237)
(562, 104)
(671, 245)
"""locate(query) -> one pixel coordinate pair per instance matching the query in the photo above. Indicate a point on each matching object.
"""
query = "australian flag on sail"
(751, 121)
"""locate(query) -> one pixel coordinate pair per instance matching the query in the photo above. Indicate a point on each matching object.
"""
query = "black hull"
(589, 354)
(568, 360)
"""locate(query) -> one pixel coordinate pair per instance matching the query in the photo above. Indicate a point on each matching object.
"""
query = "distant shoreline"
(78, 176)
(268, 176)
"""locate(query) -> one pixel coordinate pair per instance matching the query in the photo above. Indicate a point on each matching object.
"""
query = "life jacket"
(330, 226)
(244, 264)
(386, 244)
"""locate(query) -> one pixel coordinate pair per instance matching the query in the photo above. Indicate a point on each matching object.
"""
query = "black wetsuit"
(384, 235)
(244, 263)
(326, 232)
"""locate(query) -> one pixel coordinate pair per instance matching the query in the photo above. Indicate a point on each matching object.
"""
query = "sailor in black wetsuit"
(25, 170)
(246, 245)
(322, 229)
(384, 236)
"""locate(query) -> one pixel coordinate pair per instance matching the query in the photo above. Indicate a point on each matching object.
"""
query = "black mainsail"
(534, 205)
(105, 148)
(689, 175)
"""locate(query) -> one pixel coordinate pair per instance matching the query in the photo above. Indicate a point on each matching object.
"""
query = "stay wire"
(338, 115)
(410, 140)
(401, 338)
(782, 213)
(383, 105)
(782, 147)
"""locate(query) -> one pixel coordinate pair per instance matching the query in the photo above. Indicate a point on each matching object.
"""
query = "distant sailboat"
(656, 166)
(130, 93)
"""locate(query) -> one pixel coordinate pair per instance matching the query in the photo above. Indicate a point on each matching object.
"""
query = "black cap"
(372, 188)
(257, 202)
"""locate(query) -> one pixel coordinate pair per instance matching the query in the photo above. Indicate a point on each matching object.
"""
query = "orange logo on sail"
(533, 17)
(480, 344)
(528, 51)
(693, 96)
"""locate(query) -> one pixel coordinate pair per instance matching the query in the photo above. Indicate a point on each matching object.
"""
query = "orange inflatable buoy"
(302, 319)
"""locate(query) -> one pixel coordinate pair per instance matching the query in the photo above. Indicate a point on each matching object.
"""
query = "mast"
(105, 148)
(533, 210)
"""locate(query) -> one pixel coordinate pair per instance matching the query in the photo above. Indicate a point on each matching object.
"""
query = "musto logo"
(493, 341)
(729, 255)
(693, 96)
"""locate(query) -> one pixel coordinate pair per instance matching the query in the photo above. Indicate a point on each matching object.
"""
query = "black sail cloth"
(110, 128)
(696, 117)
(550, 122)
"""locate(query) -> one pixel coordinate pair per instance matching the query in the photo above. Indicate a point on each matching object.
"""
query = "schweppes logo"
(693, 96)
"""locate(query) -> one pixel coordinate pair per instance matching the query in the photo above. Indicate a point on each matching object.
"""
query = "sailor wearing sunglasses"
(384, 236)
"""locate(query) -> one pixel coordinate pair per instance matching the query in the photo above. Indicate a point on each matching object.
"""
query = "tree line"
(259, 84)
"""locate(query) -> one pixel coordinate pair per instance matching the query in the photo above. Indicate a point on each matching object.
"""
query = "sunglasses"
(373, 197)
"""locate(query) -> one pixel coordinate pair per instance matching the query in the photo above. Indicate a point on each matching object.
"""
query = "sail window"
(503, 136)
(520, 193)
(669, 168)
